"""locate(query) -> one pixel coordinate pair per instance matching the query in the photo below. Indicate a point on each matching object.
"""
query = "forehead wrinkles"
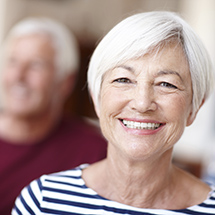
(174, 45)
(155, 53)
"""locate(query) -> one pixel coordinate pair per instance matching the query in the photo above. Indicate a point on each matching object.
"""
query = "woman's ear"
(96, 105)
(192, 116)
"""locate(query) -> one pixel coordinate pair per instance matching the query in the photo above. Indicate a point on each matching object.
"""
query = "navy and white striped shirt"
(66, 193)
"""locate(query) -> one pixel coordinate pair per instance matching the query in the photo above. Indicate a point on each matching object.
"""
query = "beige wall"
(87, 18)
(11, 11)
(2, 19)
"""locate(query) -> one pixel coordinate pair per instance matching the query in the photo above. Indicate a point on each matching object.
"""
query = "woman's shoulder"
(56, 183)
(211, 194)
(205, 207)
(65, 175)
(50, 188)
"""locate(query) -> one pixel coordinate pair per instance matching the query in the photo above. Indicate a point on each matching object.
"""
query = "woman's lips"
(141, 125)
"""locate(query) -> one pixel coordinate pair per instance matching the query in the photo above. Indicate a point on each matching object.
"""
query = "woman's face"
(146, 103)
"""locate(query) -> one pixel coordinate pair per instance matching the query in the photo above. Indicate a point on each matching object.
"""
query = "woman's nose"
(143, 98)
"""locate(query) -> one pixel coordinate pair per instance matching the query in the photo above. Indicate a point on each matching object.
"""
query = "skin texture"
(147, 90)
(32, 92)
(138, 169)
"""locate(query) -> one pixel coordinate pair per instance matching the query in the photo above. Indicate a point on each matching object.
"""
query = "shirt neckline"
(129, 207)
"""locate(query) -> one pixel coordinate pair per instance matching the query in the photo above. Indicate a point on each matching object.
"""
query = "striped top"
(66, 193)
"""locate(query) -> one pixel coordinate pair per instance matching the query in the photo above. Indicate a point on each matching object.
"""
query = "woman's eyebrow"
(160, 73)
(129, 68)
(168, 72)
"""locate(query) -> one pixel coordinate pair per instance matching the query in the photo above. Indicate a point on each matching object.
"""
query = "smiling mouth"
(140, 125)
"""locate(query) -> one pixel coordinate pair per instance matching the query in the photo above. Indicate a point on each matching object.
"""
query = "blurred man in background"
(39, 63)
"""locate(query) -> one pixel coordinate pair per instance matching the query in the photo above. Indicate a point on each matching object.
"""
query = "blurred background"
(90, 20)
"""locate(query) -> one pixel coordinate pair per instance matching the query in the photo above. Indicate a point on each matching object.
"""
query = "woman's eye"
(122, 80)
(168, 85)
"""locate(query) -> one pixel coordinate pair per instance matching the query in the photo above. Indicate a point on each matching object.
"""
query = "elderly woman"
(148, 78)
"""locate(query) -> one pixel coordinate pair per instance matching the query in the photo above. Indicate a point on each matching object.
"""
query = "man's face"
(29, 76)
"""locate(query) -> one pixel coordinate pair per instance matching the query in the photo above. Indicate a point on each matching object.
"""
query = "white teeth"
(140, 125)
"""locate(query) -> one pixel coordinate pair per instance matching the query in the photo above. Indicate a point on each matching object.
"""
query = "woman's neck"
(147, 184)
(144, 178)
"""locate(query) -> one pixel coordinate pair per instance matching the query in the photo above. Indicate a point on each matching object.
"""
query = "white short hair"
(140, 33)
(63, 41)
